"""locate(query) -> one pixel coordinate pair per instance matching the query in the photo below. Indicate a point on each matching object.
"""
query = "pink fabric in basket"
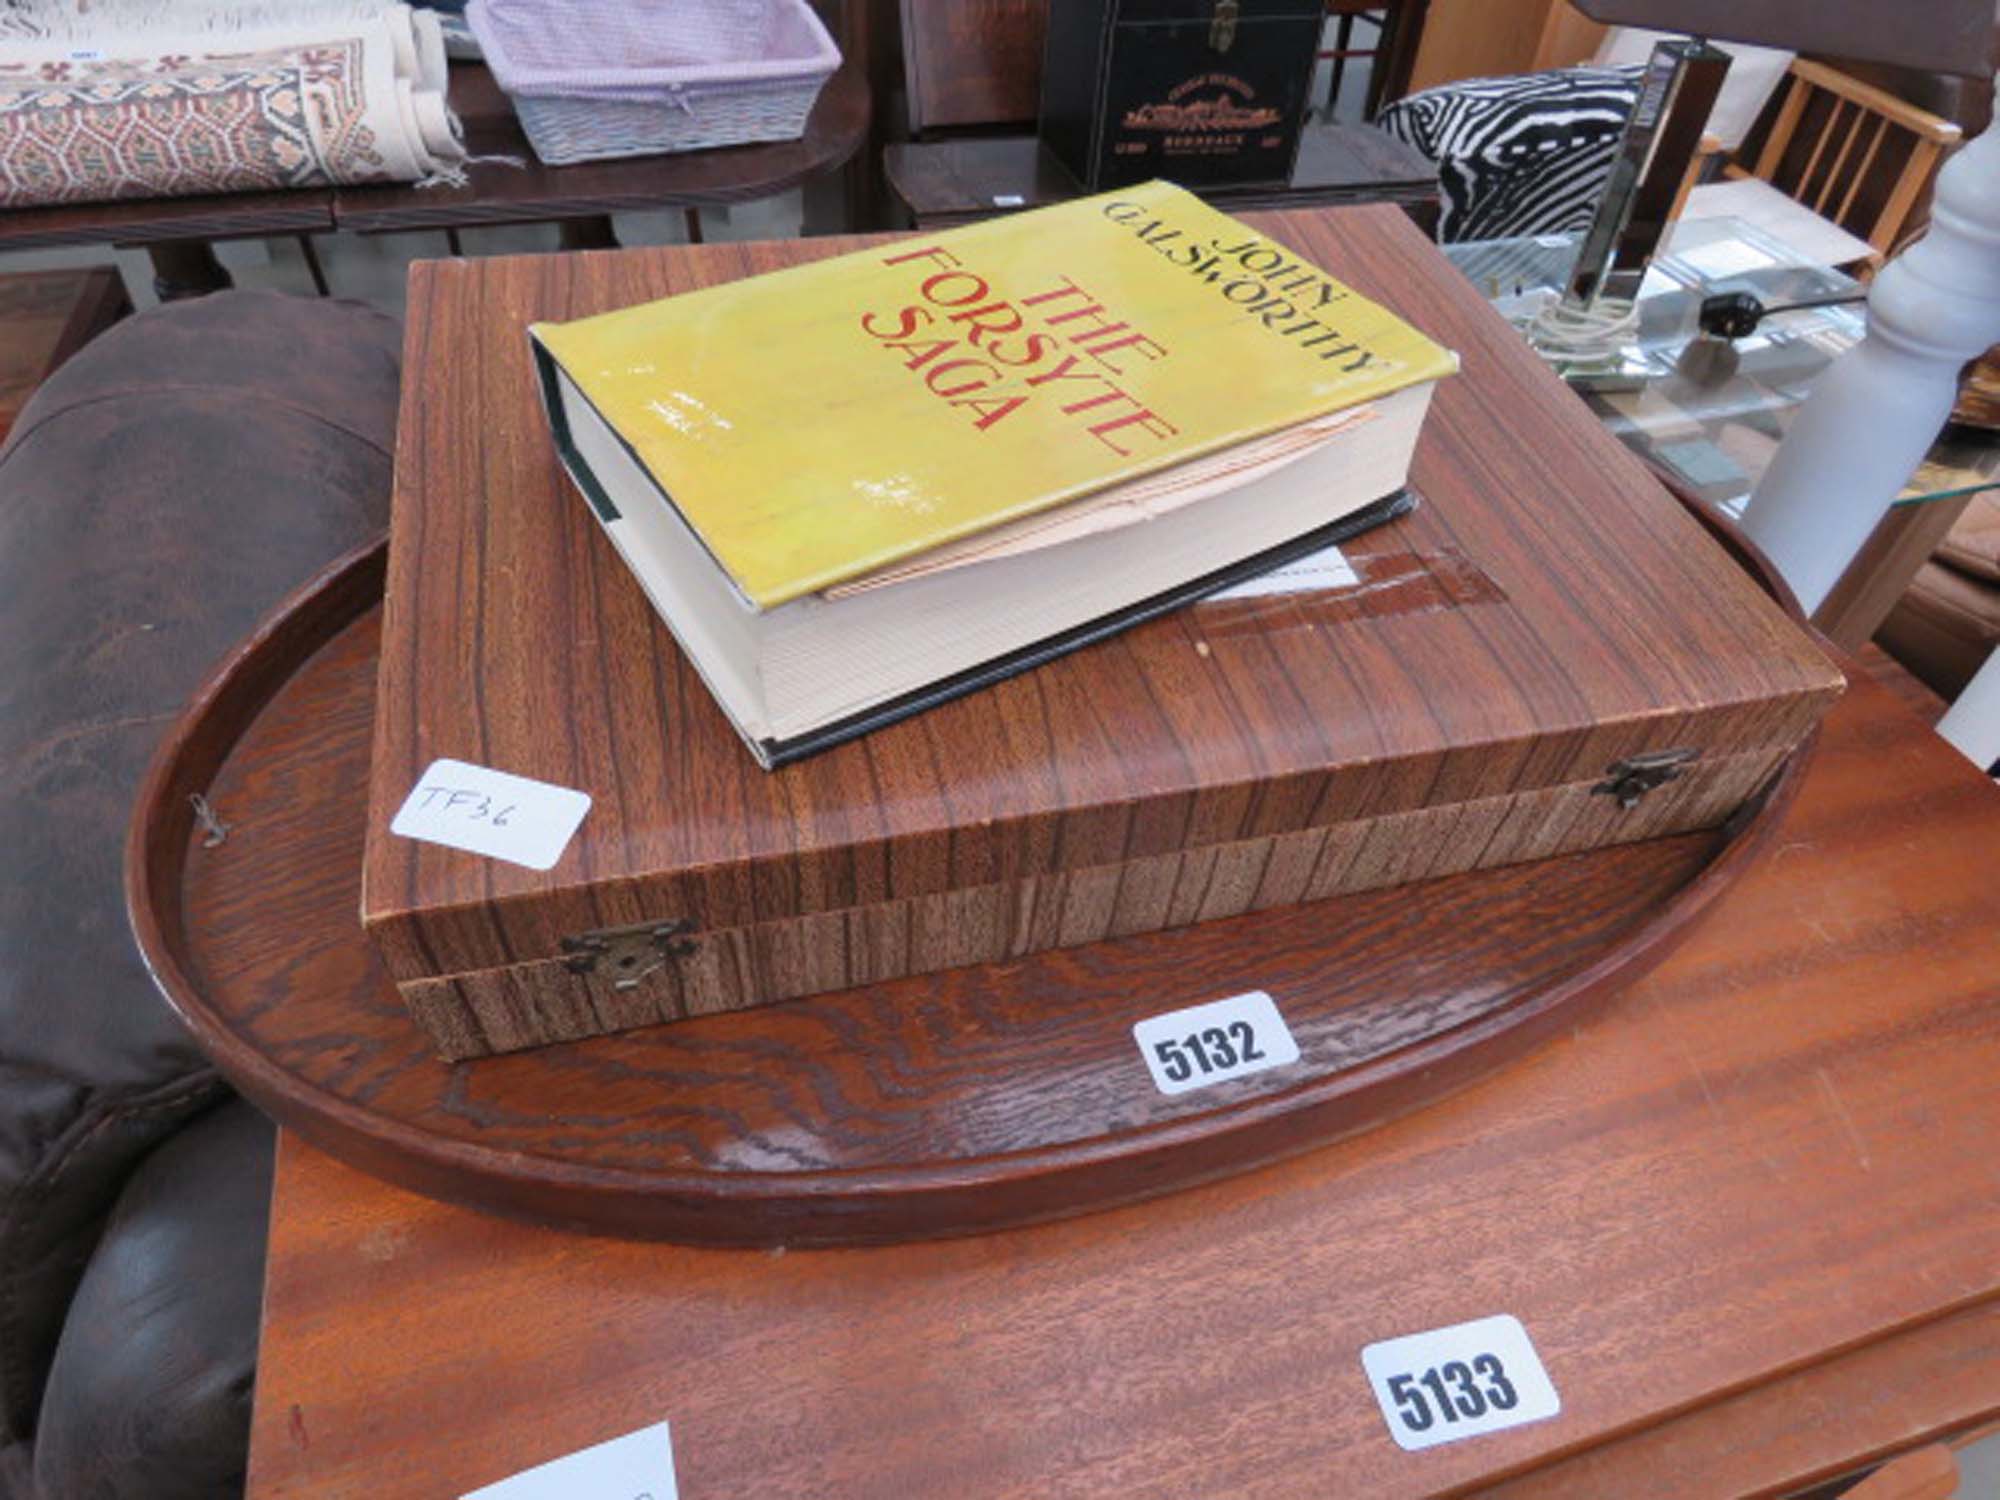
(619, 48)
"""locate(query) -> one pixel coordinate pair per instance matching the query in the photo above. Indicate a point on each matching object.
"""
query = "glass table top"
(1711, 411)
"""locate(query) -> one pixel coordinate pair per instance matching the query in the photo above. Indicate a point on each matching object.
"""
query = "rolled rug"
(433, 64)
(132, 99)
(438, 127)
(416, 36)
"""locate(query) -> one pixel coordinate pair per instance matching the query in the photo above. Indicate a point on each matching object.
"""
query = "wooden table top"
(150, 221)
(1759, 1190)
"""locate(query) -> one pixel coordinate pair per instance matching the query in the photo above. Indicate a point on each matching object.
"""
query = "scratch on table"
(1846, 1120)
(1701, 1077)
(1714, 1103)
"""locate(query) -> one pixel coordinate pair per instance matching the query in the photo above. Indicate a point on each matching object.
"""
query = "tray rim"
(841, 1205)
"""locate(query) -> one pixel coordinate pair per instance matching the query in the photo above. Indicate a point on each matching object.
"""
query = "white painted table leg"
(1874, 414)
(1973, 722)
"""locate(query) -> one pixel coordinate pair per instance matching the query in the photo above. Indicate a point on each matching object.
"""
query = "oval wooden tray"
(947, 1104)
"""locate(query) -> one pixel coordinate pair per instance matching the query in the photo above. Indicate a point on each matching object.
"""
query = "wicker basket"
(592, 79)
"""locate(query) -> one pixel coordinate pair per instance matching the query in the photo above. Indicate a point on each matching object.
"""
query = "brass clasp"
(1631, 778)
(629, 954)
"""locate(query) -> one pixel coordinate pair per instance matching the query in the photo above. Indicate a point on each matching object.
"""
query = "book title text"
(989, 356)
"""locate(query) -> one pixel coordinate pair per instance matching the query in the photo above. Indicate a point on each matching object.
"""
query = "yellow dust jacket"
(816, 424)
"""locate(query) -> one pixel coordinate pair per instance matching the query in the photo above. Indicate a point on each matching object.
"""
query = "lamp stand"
(1676, 95)
(1589, 344)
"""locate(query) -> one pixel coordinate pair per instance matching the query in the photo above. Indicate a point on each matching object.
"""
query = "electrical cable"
(1563, 333)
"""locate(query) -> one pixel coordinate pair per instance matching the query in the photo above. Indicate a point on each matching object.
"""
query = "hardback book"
(858, 487)
(1546, 656)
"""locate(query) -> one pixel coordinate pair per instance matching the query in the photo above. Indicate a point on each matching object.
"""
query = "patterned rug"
(133, 101)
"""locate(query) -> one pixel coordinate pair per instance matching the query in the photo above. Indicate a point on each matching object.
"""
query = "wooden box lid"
(1548, 610)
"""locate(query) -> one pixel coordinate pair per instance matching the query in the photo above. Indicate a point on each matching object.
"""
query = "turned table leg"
(1878, 408)
(186, 268)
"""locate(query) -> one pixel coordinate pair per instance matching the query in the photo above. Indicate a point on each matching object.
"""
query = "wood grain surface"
(1764, 1168)
(976, 63)
(1603, 624)
(533, 1004)
(992, 1095)
(1819, 1424)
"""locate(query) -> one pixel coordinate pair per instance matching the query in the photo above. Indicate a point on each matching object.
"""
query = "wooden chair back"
(973, 62)
(1399, 28)
(1852, 153)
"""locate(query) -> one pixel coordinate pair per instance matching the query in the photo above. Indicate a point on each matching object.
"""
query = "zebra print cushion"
(1522, 155)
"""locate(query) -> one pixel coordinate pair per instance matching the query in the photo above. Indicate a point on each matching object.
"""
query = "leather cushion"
(165, 488)
(149, 1395)
(1973, 544)
(1943, 627)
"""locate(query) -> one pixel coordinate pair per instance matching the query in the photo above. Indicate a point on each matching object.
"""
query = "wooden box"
(1201, 92)
(1547, 656)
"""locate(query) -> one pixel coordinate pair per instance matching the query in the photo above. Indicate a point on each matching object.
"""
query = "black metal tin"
(1200, 92)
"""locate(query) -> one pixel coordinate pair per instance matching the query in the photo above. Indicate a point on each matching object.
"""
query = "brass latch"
(1222, 29)
(629, 954)
(1631, 778)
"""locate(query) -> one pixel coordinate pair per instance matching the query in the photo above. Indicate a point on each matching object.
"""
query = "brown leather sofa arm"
(1948, 622)
(158, 495)
(149, 1394)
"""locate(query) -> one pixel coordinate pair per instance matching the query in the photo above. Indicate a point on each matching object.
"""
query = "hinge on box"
(1631, 778)
(1222, 29)
(629, 954)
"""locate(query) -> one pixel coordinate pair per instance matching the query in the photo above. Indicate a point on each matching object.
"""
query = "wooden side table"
(177, 233)
(1746, 1216)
